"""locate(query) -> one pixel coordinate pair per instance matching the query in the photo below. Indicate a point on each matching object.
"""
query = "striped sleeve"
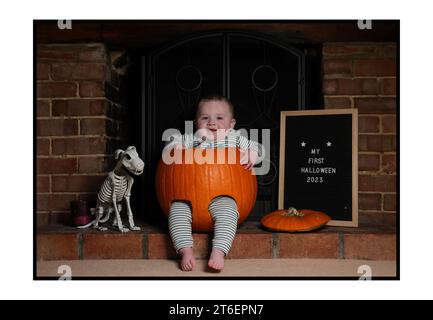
(245, 144)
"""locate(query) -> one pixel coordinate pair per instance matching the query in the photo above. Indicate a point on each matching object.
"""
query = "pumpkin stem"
(292, 212)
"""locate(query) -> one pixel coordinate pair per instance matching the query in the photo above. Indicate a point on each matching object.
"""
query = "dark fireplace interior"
(260, 74)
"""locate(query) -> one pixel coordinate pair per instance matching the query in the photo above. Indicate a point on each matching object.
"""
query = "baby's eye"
(220, 118)
(204, 118)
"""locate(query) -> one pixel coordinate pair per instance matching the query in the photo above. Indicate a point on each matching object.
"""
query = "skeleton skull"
(130, 160)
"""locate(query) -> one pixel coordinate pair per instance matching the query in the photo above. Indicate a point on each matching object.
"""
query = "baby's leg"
(225, 213)
(179, 224)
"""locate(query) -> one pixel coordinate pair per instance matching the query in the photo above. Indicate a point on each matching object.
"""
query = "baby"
(215, 128)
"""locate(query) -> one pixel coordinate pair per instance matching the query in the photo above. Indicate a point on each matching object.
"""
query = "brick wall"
(78, 125)
(363, 76)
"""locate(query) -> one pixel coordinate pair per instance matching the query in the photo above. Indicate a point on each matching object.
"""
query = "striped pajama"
(225, 214)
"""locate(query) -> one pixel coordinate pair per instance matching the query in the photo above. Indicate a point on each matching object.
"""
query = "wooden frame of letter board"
(354, 113)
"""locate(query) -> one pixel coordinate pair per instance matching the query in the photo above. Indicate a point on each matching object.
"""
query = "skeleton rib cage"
(105, 195)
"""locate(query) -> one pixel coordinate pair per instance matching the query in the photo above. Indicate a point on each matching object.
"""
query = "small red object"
(80, 213)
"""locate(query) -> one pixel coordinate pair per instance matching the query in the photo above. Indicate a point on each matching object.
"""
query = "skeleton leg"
(132, 226)
(99, 213)
(119, 208)
(114, 224)
(130, 182)
(119, 220)
(107, 216)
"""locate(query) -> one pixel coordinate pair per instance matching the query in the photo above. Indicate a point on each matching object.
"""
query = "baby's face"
(215, 115)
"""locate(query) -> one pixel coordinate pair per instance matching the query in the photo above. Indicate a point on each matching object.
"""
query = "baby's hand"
(249, 158)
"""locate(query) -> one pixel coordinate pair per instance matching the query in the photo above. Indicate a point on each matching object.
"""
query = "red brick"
(388, 50)
(61, 218)
(368, 124)
(94, 164)
(42, 71)
(378, 183)
(80, 107)
(62, 71)
(56, 53)
(54, 202)
(57, 127)
(378, 219)
(242, 248)
(159, 246)
(77, 183)
(42, 147)
(94, 126)
(79, 71)
(370, 201)
(336, 103)
(57, 246)
(43, 108)
(70, 51)
(388, 87)
(347, 49)
(337, 66)
(389, 163)
(389, 124)
(368, 162)
(93, 54)
(113, 245)
(374, 67)
(92, 89)
(42, 184)
(56, 165)
(349, 86)
(202, 245)
(42, 219)
(79, 146)
(370, 247)
(390, 202)
(377, 143)
(56, 89)
(375, 105)
(308, 245)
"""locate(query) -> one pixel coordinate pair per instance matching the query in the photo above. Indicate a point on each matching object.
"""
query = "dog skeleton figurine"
(116, 187)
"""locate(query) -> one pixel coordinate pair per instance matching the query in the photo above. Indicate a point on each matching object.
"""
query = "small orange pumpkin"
(199, 183)
(292, 220)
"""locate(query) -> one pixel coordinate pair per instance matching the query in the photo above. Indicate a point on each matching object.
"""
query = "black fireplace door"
(259, 75)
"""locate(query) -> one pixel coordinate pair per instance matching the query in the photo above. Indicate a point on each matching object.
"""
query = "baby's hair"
(215, 97)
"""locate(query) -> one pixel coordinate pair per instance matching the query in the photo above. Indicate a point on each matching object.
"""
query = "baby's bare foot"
(216, 260)
(187, 262)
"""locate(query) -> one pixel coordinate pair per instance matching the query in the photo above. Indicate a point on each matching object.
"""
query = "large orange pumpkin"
(199, 183)
(292, 220)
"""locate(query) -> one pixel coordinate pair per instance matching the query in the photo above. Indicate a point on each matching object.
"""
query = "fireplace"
(260, 75)
(107, 85)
